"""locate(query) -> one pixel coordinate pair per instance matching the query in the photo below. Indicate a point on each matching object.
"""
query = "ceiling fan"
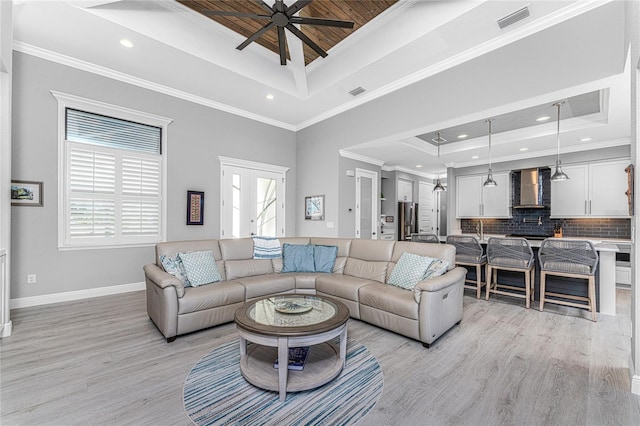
(282, 16)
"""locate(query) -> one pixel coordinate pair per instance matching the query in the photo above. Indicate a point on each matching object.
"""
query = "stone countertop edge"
(600, 244)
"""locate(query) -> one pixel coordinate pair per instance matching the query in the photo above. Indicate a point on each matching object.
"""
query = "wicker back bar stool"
(510, 254)
(469, 253)
(572, 259)
(425, 238)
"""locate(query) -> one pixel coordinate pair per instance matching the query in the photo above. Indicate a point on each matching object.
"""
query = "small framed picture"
(314, 207)
(195, 208)
(25, 193)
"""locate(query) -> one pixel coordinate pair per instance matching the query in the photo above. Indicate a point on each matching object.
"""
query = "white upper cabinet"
(474, 200)
(593, 190)
(405, 190)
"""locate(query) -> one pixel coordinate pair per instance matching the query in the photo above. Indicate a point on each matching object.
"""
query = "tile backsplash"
(525, 221)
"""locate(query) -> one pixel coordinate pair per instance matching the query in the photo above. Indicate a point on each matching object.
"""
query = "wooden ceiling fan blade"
(307, 40)
(291, 10)
(321, 21)
(237, 14)
(282, 46)
(255, 36)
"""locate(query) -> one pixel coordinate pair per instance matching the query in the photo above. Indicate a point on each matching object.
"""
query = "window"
(112, 175)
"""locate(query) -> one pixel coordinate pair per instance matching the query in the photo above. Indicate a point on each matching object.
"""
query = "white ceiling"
(180, 52)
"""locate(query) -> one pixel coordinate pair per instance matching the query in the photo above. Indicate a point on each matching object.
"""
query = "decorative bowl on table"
(293, 307)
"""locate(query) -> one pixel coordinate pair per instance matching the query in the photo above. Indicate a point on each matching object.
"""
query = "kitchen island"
(605, 276)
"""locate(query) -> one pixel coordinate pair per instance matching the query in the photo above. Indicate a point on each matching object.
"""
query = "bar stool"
(510, 254)
(469, 253)
(572, 259)
(425, 238)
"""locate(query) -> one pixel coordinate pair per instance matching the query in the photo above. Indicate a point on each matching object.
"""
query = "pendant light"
(438, 187)
(490, 182)
(559, 175)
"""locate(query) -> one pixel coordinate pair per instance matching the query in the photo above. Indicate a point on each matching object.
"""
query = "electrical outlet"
(31, 278)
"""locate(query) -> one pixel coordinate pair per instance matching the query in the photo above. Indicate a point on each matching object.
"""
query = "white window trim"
(253, 165)
(70, 101)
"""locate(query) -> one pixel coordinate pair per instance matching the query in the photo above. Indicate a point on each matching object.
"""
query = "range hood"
(530, 190)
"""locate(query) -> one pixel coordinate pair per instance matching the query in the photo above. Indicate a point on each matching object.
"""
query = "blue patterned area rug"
(215, 393)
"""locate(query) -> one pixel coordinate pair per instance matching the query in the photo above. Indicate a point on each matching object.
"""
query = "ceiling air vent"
(357, 91)
(516, 16)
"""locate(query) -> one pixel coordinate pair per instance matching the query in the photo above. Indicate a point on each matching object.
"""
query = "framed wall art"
(24, 193)
(195, 208)
(314, 207)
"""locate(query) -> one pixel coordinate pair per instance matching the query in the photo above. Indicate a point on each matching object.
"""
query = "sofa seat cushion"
(265, 285)
(389, 298)
(210, 296)
(343, 286)
(305, 280)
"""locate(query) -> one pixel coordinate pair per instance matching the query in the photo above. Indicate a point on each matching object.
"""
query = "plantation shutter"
(114, 180)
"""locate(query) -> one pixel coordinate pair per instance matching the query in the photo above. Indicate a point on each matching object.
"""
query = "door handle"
(252, 234)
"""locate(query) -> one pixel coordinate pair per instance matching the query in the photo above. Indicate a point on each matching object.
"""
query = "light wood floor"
(101, 361)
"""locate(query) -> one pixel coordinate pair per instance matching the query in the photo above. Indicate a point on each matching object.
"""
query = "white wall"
(196, 137)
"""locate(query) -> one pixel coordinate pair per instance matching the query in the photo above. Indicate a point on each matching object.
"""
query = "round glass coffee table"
(278, 323)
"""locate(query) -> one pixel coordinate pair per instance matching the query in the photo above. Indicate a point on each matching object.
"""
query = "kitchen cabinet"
(474, 200)
(593, 190)
(405, 190)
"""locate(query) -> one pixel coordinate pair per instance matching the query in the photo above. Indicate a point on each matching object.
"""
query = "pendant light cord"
(558, 105)
(489, 121)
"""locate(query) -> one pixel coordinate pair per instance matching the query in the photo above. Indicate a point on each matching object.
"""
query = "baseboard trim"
(635, 384)
(45, 299)
(5, 329)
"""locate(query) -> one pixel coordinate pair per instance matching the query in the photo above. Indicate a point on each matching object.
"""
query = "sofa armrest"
(452, 277)
(163, 279)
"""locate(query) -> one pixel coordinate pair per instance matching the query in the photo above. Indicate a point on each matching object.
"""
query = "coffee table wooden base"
(326, 360)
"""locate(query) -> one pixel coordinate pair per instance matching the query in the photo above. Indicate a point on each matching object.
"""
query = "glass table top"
(293, 310)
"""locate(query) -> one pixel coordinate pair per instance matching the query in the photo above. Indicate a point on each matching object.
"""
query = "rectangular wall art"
(195, 208)
(25, 193)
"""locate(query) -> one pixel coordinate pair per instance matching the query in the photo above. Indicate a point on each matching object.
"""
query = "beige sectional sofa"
(360, 272)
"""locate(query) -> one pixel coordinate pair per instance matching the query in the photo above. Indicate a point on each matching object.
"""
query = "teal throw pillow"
(409, 270)
(437, 268)
(200, 267)
(324, 257)
(297, 258)
(173, 265)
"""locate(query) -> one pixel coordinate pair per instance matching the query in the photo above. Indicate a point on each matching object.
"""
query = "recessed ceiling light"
(126, 43)
(270, 96)
(524, 149)
(543, 118)
(418, 166)
(462, 136)
(585, 139)
(475, 157)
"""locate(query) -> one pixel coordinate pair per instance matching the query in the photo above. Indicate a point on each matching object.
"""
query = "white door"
(366, 204)
(426, 210)
(252, 203)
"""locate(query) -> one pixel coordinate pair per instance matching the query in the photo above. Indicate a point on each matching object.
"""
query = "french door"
(253, 201)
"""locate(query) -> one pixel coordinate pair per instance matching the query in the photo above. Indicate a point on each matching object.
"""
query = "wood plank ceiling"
(358, 11)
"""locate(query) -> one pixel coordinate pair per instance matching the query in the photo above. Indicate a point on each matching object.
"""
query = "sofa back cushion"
(175, 247)
(369, 259)
(247, 268)
(343, 244)
(376, 271)
(445, 252)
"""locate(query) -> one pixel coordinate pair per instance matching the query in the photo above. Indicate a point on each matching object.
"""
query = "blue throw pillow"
(409, 270)
(324, 257)
(297, 258)
(200, 267)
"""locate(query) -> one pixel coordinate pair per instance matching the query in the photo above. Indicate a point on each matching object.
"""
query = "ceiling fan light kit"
(281, 17)
(559, 175)
(490, 182)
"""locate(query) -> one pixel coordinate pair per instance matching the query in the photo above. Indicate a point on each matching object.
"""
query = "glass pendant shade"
(559, 175)
(489, 183)
(438, 187)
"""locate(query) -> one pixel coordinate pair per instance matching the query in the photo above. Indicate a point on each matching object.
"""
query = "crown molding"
(145, 84)
(363, 158)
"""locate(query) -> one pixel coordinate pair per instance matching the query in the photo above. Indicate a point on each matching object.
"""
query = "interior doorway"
(366, 204)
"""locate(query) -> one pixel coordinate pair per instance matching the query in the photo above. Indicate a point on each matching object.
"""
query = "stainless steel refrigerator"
(407, 220)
